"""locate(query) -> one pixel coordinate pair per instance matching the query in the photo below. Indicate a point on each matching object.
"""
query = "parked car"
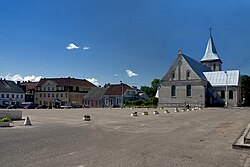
(41, 107)
(66, 106)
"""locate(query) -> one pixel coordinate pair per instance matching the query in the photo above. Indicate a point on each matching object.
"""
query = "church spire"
(211, 58)
(211, 53)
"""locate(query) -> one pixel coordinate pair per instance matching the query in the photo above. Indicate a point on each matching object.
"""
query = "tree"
(155, 83)
(245, 89)
(151, 91)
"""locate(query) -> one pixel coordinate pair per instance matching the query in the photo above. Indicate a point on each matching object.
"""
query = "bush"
(6, 119)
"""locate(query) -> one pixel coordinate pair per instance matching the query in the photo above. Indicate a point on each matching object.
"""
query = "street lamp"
(226, 103)
(122, 93)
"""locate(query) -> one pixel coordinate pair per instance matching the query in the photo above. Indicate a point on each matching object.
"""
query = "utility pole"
(226, 103)
(122, 93)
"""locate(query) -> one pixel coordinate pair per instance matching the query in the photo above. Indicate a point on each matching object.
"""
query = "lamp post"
(122, 93)
(226, 103)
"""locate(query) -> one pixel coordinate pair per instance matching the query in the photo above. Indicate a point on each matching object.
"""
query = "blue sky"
(114, 36)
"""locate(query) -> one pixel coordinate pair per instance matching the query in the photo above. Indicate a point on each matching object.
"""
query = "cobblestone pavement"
(114, 138)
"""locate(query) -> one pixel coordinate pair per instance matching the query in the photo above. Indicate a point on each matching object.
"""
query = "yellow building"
(59, 92)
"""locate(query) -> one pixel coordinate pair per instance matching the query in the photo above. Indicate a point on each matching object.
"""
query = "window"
(231, 94)
(44, 88)
(13, 96)
(173, 91)
(222, 94)
(17, 96)
(214, 67)
(77, 88)
(7, 95)
(53, 88)
(21, 96)
(66, 95)
(173, 75)
(40, 94)
(44, 95)
(61, 95)
(48, 95)
(48, 88)
(2, 95)
(53, 95)
(188, 75)
(188, 90)
(57, 95)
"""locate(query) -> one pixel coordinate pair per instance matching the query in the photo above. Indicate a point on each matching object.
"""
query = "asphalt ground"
(113, 138)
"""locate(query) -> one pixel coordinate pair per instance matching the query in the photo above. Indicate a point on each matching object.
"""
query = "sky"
(108, 41)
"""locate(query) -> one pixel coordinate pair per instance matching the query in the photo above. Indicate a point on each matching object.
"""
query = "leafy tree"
(245, 89)
(155, 83)
(151, 91)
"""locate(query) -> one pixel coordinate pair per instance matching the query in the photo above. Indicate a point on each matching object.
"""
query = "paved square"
(114, 138)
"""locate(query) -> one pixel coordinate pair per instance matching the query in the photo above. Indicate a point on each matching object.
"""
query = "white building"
(10, 93)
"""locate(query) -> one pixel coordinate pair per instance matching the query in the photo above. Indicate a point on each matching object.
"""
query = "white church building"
(201, 83)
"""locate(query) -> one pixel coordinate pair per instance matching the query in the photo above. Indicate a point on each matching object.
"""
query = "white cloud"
(93, 81)
(131, 73)
(18, 77)
(72, 46)
(86, 47)
(117, 75)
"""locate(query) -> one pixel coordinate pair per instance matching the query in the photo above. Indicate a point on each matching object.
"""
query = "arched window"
(189, 90)
(214, 67)
(188, 74)
(173, 91)
(173, 75)
(222, 94)
(231, 94)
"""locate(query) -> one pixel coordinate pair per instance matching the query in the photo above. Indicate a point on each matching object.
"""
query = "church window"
(188, 90)
(214, 67)
(173, 91)
(188, 74)
(173, 75)
(222, 94)
(230, 94)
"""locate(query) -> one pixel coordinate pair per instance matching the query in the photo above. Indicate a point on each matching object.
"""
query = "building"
(29, 89)
(94, 97)
(11, 93)
(116, 95)
(199, 83)
(58, 92)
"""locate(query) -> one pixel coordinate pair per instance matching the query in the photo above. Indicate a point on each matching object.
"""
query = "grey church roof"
(9, 87)
(197, 67)
(210, 53)
(220, 78)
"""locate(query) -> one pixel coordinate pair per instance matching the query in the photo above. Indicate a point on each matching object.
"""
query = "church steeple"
(211, 58)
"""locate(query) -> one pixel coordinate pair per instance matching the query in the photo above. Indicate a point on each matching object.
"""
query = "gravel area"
(113, 138)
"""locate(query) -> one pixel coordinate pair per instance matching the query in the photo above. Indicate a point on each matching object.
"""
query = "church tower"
(211, 58)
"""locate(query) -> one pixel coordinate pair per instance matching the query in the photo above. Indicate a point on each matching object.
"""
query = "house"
(189, 82)
(116, 95)
(29, 89)
(11, 93)
(58, 92)
(94, 97)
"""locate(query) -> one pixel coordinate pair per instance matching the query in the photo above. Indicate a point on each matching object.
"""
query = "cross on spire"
(210, 30)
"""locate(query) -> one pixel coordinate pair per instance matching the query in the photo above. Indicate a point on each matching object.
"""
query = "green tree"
(151, 91)
(245, 89)
(155, 83)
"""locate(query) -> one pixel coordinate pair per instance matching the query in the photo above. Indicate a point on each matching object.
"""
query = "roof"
(29, 85)
(9, 87)
(219, 78)
(95, 92)
(210, 53)
(117, 89)
(67, 82)
(196, 66)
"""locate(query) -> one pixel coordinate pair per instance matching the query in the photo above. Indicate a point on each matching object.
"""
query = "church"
(199, 84)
